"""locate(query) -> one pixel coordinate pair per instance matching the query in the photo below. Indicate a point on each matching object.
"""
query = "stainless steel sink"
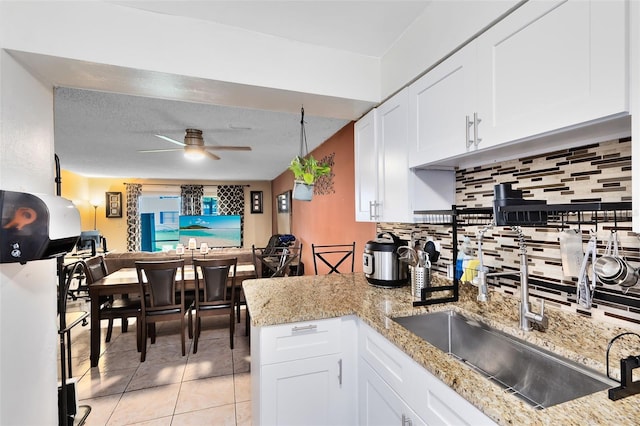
(539, 377)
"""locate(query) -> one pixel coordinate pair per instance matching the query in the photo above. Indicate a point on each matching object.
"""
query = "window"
(159, 216)
(209, 206)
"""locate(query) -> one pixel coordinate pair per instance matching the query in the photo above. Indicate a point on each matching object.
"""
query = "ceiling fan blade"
(227, 148)
(212, 156)
(168, 139)
(161, 150)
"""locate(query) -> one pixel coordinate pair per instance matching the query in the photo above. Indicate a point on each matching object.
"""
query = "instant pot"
(381, 263)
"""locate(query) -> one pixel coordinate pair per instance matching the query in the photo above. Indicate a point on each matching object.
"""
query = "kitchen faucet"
(527, 317)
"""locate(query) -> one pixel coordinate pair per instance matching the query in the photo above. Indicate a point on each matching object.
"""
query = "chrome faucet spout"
(483, 271)
(527, 316)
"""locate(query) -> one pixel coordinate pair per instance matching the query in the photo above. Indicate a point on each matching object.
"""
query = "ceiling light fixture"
(193, 152)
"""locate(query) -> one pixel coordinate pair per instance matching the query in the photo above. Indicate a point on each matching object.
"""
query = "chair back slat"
(159, 285)
(94, 268)
(162, 286)
(333, 256)
(212, 277)
(215, 283)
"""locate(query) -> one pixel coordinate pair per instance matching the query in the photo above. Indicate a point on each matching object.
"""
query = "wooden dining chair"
(213, 296)
(333, 256)
(162, 298)
(270, 262)
(113, 307)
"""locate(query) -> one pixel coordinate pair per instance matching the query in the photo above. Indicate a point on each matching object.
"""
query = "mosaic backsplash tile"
(598, 172)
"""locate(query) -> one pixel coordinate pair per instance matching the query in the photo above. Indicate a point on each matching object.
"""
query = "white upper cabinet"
(387, 190)
(551, 65)
(382, 172)
(439, 105)
(547, 67)
(366, 167)
(394, 186)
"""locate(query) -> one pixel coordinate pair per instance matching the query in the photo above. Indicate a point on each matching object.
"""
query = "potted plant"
(306, 170)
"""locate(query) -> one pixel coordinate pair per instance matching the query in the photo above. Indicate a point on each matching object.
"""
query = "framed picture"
(256, 201)
(284, 202)
(113, 204)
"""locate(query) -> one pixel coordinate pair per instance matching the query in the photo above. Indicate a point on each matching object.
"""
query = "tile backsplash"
(598, 172)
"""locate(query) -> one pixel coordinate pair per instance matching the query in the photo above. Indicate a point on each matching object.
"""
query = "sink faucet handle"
(543, 321)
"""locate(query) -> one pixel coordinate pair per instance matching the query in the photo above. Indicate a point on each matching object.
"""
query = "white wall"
(28, 357)
(442, 27)
(111, 34)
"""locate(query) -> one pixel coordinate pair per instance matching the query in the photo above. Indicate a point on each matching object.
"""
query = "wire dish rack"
(592, 214)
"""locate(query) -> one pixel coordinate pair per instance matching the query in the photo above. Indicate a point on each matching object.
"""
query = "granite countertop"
(275, 301)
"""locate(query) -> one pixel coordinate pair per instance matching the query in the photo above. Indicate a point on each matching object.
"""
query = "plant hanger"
(304, 149)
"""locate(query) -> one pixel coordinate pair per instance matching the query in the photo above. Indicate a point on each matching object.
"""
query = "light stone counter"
(285, 300)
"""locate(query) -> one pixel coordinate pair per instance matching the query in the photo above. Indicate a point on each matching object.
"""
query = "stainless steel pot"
(382, 265)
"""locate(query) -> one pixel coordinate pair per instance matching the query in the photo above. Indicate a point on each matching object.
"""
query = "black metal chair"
(270, 262)
(213, 296)
(333, 256)
(163, 298)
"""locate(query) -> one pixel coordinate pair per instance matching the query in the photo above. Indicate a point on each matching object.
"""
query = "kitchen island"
(278, 301)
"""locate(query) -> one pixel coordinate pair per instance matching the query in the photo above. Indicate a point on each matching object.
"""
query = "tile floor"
(212, 387)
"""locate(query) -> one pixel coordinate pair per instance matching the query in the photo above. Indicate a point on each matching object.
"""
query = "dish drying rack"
(563, 215)
(454, 217)
(525, 215)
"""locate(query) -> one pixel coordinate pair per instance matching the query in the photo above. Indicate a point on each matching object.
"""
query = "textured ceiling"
(100, 134)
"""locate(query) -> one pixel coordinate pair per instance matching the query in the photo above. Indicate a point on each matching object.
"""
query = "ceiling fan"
(194, 146)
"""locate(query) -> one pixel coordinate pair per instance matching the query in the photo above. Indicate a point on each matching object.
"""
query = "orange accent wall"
(330, 218)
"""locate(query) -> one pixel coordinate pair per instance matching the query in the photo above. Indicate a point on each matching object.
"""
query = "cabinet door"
(393, 169)
(366, 167)
(379, 404)
(550, 65)
(303, 392)
(439, 104)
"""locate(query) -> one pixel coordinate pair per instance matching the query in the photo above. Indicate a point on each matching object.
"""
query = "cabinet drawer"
(300, 340)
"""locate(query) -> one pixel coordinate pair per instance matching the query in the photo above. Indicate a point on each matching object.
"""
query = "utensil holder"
(420, 278)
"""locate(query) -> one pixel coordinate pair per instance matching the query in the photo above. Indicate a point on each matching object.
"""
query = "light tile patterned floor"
(212, 387)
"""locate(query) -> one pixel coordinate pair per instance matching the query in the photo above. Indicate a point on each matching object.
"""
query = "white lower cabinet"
(304, 373)
(379, 404)
(340, 371)
(402, 388)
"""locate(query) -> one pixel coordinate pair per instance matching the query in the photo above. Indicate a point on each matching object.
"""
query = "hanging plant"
(306, 169)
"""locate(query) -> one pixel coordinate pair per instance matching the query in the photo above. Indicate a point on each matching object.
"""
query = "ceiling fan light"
(193, 153)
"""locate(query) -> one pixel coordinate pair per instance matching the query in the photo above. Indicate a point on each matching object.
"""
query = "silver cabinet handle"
(468, 123)
(406, 420)
(373, 205)
(310, 327)
(476, 122)
(340, 372)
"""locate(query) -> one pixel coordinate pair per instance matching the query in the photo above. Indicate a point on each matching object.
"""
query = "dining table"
(125, 281)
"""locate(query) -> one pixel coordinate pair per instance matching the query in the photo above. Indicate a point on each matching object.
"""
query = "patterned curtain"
(231, 202)
(191, 199)
(133, 191)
